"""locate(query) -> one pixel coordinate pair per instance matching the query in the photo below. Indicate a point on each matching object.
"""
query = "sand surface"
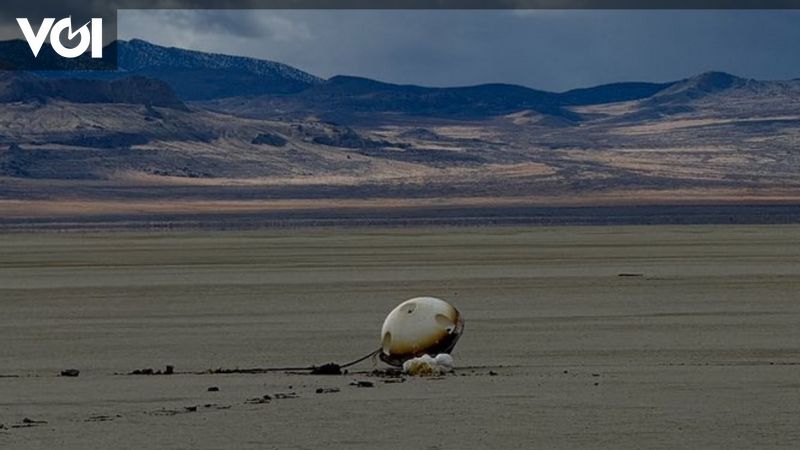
(701, 351)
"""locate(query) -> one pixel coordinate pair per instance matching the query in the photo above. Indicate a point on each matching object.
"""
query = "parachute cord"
(325, 369)
(352, 363)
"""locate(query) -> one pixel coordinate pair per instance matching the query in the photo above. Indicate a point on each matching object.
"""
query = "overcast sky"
(553, 50)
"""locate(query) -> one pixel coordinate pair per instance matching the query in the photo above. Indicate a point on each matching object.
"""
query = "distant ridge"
(200, 76)
(611, 93)
(193, 75)
(266, 89)
(350, 94)
(698, 86)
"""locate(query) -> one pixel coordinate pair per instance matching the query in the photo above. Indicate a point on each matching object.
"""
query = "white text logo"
(88, 36)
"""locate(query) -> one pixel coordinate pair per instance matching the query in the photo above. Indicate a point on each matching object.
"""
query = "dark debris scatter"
(259, 400)
(327, 369)
(28, 422)
(280, 396)
(326, 390)
(101, 418)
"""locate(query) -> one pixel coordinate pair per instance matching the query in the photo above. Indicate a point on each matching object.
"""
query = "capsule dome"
(420, 326)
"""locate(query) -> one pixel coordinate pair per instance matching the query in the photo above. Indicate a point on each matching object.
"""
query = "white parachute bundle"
(427, 365)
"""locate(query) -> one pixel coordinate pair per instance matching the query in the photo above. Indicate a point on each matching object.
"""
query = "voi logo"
(91, 34)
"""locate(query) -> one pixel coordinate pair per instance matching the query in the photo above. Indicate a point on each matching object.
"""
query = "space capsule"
(420, 326)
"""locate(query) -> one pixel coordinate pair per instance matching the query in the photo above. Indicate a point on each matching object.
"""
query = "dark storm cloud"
(545, 49)
(87, 6)
(107, 9)
(94, 8)
(226, 22)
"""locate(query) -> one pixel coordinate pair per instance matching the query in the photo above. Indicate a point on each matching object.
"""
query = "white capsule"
(420, 326)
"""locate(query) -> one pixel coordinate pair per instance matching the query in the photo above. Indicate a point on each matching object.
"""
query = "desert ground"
(576, 337)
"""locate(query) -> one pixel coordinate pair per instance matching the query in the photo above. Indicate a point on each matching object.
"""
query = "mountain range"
(180, 123)
(199, 76)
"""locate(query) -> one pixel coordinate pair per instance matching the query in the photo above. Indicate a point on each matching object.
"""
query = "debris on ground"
(32, 421)
(326, 390)
(70, 373)
(327, 369)
(387, 373)
(101, 418)
(258, 400)
(185, 410)
(279, 396)
(27, 423)
(168, 370)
